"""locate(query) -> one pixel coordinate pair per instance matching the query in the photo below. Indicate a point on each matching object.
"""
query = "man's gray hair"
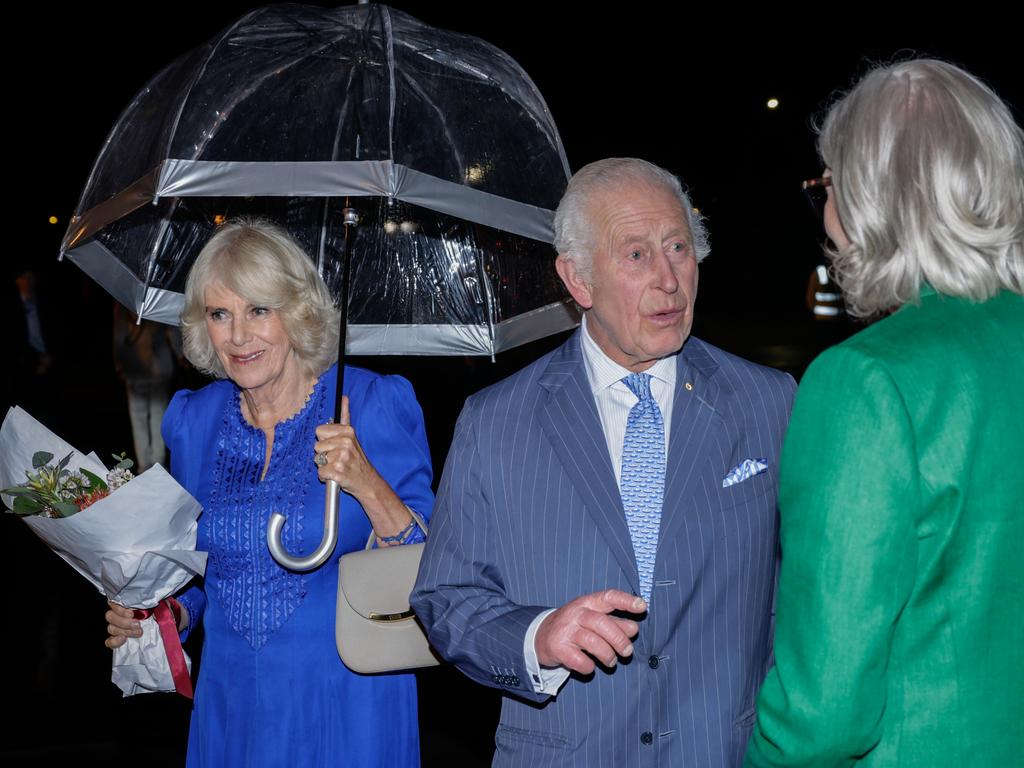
(574, 229)
(928, 179)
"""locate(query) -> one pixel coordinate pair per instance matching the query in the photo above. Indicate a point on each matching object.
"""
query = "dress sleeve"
(395, 440)
(179, 439)
(176, 433)
(192, 600)
(849, 489)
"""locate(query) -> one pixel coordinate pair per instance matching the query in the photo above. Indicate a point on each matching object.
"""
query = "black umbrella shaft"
(351, 219)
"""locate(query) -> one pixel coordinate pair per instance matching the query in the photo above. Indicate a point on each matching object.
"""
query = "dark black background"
(685, 88)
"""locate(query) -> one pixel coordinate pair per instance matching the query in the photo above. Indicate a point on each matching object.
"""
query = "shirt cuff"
(546, 681)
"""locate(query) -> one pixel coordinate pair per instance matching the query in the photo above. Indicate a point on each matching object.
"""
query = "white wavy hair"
(574, 230)
(928, 180)
(261, 262)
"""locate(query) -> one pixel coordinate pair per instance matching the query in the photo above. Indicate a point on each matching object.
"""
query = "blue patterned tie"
(642, 481)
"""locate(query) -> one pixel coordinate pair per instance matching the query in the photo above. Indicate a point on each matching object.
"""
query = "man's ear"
(577, 285)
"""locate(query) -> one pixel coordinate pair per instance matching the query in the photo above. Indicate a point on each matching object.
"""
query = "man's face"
(643, 280)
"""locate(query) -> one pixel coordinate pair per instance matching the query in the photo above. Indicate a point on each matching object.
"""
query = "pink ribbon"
(168, 626)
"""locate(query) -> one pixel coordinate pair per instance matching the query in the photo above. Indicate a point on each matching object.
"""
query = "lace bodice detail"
(256, 594)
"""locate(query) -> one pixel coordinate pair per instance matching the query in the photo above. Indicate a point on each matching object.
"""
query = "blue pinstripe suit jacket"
(529, 517)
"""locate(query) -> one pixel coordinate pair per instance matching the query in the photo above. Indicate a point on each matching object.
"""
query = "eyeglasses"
(817, 193)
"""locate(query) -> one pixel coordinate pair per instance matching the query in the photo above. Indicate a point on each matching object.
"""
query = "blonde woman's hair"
(261, 263)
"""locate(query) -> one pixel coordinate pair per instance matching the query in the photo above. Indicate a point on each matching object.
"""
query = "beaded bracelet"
(401, 537)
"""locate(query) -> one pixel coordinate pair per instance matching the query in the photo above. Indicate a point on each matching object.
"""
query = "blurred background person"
(900, 616)
(41, 358)
(144, 357)
(30, 352)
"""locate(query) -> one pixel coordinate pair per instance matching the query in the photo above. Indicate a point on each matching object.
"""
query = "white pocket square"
(744, 470)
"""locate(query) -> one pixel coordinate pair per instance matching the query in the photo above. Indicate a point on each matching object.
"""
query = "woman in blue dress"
(271, 688)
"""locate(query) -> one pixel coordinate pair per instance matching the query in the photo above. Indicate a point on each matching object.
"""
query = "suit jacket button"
(646, 738)
(653, 662)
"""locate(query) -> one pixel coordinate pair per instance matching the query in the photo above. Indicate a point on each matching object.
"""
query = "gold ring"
(321, 459)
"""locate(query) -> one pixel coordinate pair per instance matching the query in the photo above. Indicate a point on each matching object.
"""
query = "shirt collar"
(603, 372)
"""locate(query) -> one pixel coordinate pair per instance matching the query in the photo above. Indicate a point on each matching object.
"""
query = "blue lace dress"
(272, 690)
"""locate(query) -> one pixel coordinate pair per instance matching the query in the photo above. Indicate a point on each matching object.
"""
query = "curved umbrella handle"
(330, 538)
(322, 552)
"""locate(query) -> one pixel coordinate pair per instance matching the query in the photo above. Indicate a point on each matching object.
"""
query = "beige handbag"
(375, 629)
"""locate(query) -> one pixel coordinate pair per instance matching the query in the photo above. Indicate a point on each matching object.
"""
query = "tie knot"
(640, 385)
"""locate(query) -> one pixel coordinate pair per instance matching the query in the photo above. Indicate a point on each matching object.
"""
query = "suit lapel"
(571, 423)
(697, 424)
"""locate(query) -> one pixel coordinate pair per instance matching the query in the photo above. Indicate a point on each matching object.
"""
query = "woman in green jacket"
(900, 621)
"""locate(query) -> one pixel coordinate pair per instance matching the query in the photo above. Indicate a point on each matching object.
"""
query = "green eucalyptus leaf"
(64, 462)
(64, 509)
(123, 462)
(41, 458)
(24, 505)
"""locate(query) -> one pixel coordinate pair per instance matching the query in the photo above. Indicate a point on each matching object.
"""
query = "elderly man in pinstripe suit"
(604, 543)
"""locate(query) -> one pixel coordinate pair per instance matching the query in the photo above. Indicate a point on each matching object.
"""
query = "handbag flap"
(379, 581)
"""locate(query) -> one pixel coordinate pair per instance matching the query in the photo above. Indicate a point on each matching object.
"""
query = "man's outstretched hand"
(582, 629)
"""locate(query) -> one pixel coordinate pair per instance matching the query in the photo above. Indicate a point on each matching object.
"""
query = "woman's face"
(833, 226)
(250, 341)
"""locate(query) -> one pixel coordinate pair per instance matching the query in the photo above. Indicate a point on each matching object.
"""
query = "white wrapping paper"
(136, 546)
(140, 665)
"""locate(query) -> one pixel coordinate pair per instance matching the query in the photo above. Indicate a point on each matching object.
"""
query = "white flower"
(118, 477)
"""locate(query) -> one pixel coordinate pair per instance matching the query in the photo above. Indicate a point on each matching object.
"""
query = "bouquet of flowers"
(59, 492)
(133, 538)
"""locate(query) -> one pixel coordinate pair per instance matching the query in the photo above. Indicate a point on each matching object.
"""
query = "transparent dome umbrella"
(437, 143)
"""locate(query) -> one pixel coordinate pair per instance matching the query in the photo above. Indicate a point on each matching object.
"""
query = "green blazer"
(900, 615)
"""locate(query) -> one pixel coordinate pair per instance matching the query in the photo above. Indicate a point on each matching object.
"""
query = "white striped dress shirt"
(614, 401)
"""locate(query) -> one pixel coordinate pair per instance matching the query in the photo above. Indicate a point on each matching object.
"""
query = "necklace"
(252, 413)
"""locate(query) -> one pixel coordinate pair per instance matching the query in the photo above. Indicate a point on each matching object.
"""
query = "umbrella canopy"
(293, 110)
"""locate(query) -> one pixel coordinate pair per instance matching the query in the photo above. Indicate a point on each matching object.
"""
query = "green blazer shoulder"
(900, 616)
